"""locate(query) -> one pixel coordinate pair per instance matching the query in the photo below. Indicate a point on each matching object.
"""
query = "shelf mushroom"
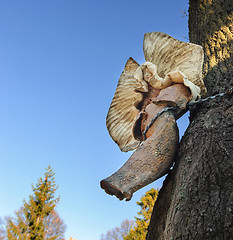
(148, 100)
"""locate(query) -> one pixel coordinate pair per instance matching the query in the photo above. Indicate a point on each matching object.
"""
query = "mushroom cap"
(151, 67)
(123, 109)
(167, 54)
(170, 54)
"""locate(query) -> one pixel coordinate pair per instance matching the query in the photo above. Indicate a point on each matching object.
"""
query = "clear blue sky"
(60, 61)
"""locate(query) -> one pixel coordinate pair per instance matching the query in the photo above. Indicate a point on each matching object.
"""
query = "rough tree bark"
(196, 200)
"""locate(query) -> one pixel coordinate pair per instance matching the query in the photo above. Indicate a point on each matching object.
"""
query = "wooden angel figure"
(148, 100)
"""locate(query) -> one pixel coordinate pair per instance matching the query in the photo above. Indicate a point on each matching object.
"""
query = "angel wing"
(170, 54)
(123, 109)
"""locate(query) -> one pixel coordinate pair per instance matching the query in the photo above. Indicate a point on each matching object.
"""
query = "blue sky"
(60, 62)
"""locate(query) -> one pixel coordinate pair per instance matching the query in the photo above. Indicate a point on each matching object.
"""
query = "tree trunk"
(196, 200)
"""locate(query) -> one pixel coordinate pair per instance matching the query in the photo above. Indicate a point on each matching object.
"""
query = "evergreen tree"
(37, 219)
(142, 222)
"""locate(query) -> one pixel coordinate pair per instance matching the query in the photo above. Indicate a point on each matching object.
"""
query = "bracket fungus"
(149, 98)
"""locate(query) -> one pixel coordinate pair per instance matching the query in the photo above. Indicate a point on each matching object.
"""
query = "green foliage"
(142, 221)
(37, 219)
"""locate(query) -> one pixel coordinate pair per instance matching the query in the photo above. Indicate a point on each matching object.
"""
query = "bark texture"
(196, 200)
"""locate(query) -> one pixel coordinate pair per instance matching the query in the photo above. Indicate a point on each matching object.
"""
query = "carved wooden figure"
(148, 100)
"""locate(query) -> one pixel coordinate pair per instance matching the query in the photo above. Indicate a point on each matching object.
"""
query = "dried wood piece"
(150, 161)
